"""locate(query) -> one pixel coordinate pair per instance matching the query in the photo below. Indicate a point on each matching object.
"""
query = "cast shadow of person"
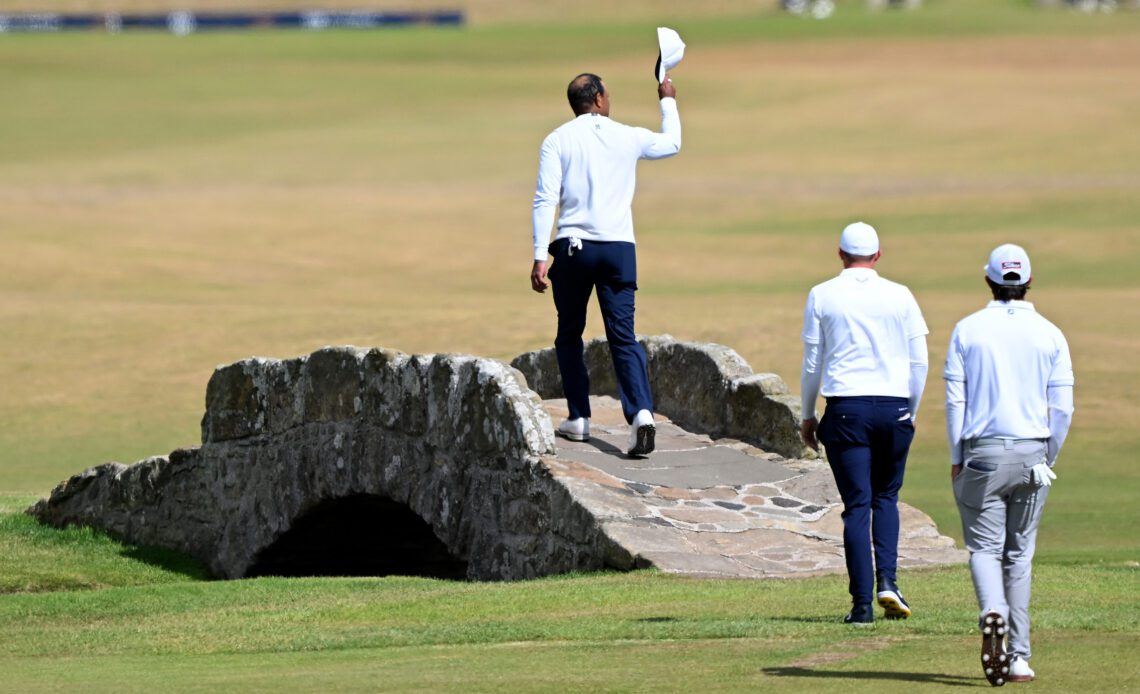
(922, 677)
(609, 449)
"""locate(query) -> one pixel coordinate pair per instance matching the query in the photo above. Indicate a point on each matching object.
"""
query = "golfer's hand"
(955, 470)
(666, 88)
(538, 281)
(1042, 475)
(807, 433)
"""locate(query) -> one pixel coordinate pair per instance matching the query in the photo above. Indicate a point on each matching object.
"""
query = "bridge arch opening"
(359, 535)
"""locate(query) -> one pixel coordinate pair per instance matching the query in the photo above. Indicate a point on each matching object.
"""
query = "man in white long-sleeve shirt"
(1009, 402)
(865, 352)
(587, 172)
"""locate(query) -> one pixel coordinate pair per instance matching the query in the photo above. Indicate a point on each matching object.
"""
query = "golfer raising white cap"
(1009, 402)
(865, 351)
(587, 173)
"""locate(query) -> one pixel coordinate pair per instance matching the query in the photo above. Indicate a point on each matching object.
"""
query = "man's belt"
(996, 441)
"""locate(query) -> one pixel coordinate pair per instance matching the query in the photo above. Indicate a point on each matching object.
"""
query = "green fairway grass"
(171, 204)
(155, 626)
(643, 631)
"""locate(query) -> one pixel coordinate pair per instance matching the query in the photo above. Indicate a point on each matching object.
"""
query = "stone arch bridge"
(374, 462)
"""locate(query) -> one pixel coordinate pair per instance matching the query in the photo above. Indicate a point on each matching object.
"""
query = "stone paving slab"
(722, 508)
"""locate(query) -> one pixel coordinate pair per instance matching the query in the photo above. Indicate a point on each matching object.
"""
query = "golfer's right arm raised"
(667, 142)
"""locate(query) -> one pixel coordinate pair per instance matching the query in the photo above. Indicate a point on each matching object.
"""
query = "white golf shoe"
(1019, 670)
(575, 429)
(641, 434)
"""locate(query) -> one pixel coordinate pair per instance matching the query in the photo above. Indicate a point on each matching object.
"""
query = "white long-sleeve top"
(1008, 375)
(863, 335)
(587, 168)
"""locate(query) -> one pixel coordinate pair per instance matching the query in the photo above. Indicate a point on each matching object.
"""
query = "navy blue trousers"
(611, 268)
(867, 440)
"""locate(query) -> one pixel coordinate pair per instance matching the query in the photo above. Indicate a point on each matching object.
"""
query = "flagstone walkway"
(719, 508)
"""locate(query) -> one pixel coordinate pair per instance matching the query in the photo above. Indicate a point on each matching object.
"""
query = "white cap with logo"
(1009, 266)
(859, 238)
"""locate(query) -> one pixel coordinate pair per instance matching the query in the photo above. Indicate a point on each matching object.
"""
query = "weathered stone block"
(690, 381)
(331, 384)
(233, 408)
(383, 391)
(282, 397)
(540, 372)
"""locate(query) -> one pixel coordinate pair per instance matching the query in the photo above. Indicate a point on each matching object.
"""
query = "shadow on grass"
(924, 677)
(168, 560)
(817, 619)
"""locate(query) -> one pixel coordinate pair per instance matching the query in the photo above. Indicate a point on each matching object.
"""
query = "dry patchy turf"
(270, 193)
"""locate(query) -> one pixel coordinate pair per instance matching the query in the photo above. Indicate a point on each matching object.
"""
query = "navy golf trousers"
(867, 440)
(578, 268)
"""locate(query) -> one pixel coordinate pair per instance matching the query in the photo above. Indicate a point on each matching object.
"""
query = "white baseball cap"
(859, 238)
(672, 49)
(1009, 265)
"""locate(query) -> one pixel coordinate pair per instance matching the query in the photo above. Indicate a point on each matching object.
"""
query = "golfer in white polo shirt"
(865, 352)
(1009, 402)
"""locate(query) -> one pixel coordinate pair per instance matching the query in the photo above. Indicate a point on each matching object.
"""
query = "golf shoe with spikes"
(995, 662)
(642, 433)
(891, 600)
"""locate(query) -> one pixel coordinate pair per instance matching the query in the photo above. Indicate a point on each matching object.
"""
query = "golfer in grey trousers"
(1009, 403)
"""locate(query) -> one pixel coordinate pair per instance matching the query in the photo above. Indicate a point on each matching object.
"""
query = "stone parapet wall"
(457, 439)
(703, 387)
